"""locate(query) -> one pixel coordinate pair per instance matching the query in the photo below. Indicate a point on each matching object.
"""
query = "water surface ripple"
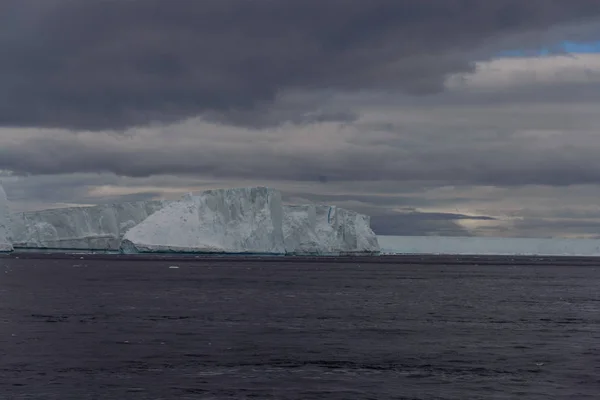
(116, 327)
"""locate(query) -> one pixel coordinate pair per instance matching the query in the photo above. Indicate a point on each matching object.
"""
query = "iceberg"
(5, 228)
(84, 228)
(242, 220)
(250, 221)
(239, 221)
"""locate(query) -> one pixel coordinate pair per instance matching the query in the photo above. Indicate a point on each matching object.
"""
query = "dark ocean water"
(125, 328)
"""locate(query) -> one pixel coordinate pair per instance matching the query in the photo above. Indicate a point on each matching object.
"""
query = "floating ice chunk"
(5, 228)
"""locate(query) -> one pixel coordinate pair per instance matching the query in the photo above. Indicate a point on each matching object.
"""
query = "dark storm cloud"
(418, 224)
(539, 227)
(108, 64)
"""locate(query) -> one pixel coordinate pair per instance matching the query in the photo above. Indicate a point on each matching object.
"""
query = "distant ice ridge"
(250, 221)
(5, 229)
(84, 228)
(488, 246)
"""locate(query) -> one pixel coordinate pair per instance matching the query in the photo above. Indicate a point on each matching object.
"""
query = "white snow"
(90, 228)
(488, 246)
(242, 220)
(5, 229)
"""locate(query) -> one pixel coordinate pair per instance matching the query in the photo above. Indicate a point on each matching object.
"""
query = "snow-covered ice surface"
(5, 229)
(488, 246)
(241, 220)
(85, 228)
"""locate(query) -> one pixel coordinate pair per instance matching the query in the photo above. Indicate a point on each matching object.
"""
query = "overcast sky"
(454, 117)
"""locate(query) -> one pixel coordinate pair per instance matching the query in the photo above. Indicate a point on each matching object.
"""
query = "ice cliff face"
(244, 220)
(5, 229)
(344, 231)
(250, 220)
(321, 229)
(299, 234)
(90, 228)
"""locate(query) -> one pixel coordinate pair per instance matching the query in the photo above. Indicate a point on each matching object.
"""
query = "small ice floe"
(173, 267)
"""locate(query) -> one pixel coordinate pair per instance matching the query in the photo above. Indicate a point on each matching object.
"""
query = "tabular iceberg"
(85, 228)
(250, 221)
(5, 229)
(243, 220)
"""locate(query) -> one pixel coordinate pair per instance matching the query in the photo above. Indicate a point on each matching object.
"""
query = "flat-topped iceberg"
(244, 220)
(250, 221)
(5, 228)
(83, 228)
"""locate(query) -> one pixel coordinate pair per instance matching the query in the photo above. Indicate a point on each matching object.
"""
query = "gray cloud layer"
(101, 64)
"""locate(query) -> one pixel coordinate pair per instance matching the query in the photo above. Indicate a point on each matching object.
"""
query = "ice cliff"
(344, 231)
(5, 229)
(86, 228)
(244, 220)
(322, 229)
(299, 234)
(250, 220)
